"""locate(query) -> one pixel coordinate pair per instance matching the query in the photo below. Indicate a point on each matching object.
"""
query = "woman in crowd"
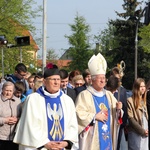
(138, 117)
(31, 81)
(72, 74)
(10, 110)
(78, 81)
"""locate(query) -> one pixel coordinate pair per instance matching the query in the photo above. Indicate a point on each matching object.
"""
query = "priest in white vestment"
(48, 120)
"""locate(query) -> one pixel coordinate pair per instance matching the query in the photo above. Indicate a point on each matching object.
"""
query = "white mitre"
(97, 64)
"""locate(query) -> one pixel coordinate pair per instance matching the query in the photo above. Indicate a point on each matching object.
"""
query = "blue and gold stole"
(105, 138)
(55, 116)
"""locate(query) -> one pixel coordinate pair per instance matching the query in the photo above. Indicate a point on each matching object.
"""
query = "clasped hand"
(102, 116)
(11, 120)
(56, 145)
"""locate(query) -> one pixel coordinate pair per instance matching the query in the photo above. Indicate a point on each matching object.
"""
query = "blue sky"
(60, 13)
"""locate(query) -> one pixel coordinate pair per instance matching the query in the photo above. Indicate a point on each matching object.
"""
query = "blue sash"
(55, 116)
(105, 138)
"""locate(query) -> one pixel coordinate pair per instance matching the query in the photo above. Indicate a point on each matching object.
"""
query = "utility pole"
(20, 49)
(44, 35)
(136, 41)
(2, 62)
(136, 48)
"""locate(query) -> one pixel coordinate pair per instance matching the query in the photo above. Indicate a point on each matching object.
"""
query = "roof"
(59, 63)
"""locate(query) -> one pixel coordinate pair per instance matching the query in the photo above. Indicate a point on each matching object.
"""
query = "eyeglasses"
(79, 84)
(23, 75)
(54, 79)
(101, 78)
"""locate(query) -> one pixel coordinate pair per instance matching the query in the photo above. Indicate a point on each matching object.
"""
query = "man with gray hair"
(48, 119)
(98, 111)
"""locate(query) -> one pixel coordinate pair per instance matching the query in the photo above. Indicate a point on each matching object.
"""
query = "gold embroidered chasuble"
(86, 111)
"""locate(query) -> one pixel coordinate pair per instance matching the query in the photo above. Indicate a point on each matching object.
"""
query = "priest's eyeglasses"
(54, 79)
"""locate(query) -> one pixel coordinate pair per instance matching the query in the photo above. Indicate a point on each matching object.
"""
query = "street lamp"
(3, 40)
(22, 41)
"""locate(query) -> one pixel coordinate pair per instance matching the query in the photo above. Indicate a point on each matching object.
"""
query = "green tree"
(144, 43)
(12, 58)
(15, 18)
(51, 55)
(107, 42)
(145, 35)
(80, 50)
(124, 35)
(14, 13)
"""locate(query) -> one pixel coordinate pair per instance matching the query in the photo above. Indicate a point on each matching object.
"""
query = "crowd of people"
(60, 110)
